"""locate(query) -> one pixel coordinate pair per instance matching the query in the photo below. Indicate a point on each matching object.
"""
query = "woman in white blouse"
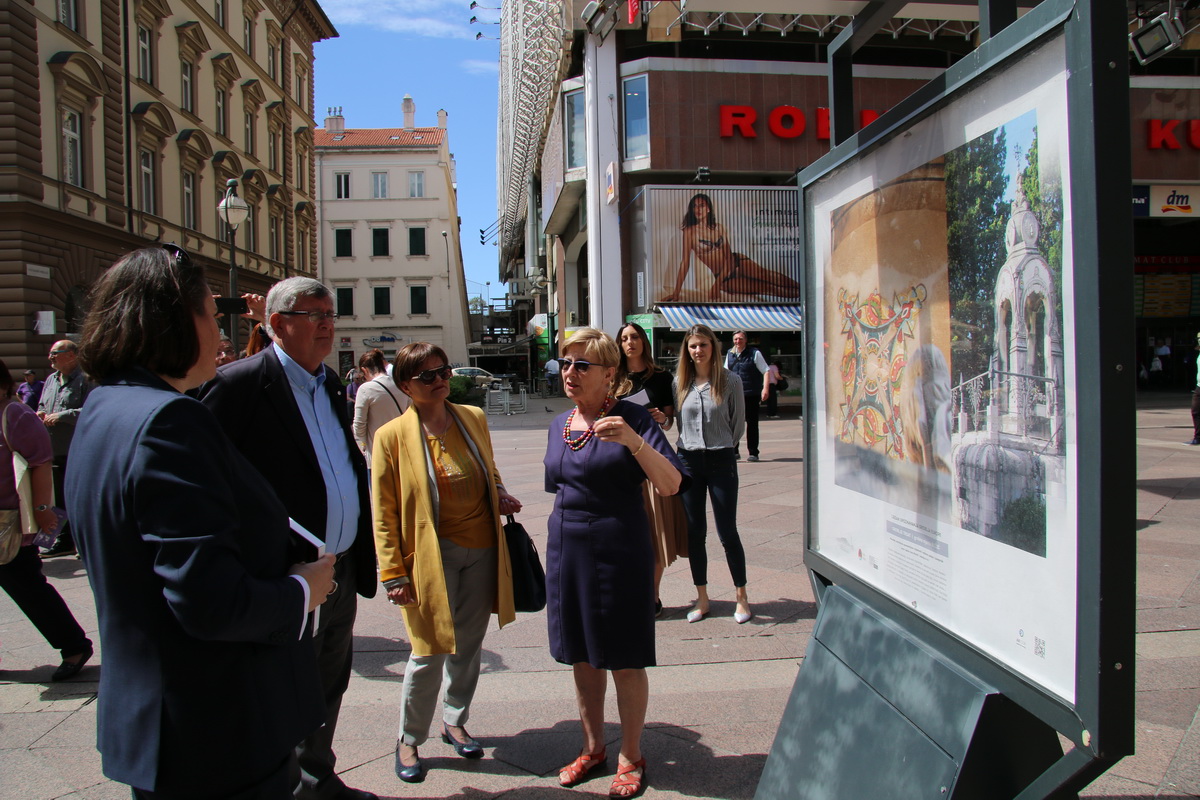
(378, 402)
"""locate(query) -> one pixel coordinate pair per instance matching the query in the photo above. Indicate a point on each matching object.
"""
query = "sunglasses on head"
(577, 364)
(430, 375)
(178, 253)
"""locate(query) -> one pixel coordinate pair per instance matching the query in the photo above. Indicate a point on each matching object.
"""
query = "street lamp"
(233, 210)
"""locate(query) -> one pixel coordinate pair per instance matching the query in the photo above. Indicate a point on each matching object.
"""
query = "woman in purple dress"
(599, 561)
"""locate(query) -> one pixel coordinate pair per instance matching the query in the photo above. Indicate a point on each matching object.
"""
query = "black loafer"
(468, 749)
(413, 774)
(68, 669)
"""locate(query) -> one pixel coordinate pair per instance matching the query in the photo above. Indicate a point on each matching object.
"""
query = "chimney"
(335, 122)
(410, 111)
(442, 118)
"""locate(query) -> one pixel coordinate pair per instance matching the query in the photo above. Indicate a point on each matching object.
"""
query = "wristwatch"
(42, 508)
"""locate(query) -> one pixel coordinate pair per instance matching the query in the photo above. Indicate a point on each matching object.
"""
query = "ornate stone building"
(121, 122)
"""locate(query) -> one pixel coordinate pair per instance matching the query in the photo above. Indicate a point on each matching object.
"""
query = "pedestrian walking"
(63, 397)
(378, 401)
(1196, 399)
(599, 562)
(751, 368)
(552, 375)
(774, 377)
(30, 389)
(209, 676)
(438, 500)
(711, 418)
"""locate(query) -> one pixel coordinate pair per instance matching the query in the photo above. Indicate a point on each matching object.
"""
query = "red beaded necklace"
(577, 444)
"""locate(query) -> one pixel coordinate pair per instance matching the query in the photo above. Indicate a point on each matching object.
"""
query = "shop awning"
(734, 318)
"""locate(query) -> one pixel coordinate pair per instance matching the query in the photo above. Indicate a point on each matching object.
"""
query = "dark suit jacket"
(206, 682)
(253, 402)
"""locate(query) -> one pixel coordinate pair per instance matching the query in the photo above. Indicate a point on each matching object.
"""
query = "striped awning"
(734, 318)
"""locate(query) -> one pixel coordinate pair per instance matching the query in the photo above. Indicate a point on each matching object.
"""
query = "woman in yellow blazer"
(438, 501)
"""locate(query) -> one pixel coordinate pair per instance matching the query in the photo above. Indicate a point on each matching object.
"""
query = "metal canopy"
(734, 318)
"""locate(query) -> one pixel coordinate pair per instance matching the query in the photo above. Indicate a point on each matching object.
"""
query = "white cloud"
(476, 67)
(438, 19)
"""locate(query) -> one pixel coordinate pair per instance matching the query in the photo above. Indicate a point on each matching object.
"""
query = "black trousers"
(60, 499)
(1196, 413)
(22, 578)
(752, 402)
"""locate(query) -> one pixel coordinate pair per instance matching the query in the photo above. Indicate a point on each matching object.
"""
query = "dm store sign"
(1173, 201)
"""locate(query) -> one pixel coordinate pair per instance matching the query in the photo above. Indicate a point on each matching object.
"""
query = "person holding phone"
(202, 612)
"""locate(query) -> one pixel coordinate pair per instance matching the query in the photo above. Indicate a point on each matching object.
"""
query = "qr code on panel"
(1039, 647)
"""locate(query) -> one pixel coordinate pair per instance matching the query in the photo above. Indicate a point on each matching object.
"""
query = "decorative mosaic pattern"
(876, 351)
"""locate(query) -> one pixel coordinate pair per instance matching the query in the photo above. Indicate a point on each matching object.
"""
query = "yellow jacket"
(404, 502)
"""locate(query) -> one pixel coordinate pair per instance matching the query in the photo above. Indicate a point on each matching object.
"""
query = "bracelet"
(640, 446)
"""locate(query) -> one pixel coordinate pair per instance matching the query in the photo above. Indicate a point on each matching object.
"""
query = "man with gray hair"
(285, 410)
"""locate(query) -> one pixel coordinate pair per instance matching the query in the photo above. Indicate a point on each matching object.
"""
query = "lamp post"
(233, 210)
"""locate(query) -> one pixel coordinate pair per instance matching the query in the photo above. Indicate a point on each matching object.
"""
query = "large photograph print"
(946, 477)
(711, 244)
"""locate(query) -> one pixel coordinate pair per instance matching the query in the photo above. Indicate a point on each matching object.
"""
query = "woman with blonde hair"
(599, 561)
(711, 417)
(437, 501)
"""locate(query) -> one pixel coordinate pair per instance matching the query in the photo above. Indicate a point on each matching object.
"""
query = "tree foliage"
(975, 218)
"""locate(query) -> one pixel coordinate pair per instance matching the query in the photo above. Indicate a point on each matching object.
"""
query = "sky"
(425, 48)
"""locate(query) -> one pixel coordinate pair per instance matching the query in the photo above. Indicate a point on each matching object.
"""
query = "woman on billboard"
(734, 273)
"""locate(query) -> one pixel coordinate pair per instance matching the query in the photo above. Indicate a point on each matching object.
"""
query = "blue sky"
(425, 48)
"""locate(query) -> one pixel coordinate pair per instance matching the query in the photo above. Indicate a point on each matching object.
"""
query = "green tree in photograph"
(975, 218)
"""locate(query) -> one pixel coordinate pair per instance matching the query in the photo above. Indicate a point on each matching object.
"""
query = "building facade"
(388, 237)
(627, 116)
(123, 121)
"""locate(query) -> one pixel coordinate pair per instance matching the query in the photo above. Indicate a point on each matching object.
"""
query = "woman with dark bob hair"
(209, 679)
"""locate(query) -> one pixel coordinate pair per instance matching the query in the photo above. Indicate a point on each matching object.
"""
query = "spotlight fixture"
(703, 175)
(1156, 38)
(475, 5)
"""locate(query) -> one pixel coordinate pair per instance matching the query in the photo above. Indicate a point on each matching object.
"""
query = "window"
(416, 242)
(301, 170)
(416, 184)
(300, 89)
(249, 134)
(68, 14)
(187, 74)
(341, 181)
(145, 52)
(72, 133)
(273, 239)
(250, 230)
(248, 36)
(379, 185)
(222, 118)
(383, 300)
(344, 299)
(273, 62)
(273, 150)
(637, 117)
(418, 303)
(146, 181)
(302, 251)
(189, 200)
(219, 12)
(379, 242)
(342, 243)
(575, 130)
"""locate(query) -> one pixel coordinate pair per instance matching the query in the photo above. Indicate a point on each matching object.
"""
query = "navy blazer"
(207, 682)
(253, 401)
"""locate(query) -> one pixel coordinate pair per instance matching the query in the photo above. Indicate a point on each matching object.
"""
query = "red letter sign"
(1162, 134)
(740, 117)
(780, 114)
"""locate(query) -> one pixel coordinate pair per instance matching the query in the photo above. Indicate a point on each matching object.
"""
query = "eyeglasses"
(315, 317)
(54, 353)
(578, 364)
(178, 253)
(430, 375)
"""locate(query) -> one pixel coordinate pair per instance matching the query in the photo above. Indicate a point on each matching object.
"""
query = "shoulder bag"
(528, 577)
(15, 523)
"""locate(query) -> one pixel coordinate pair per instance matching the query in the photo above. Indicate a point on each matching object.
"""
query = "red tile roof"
(379, 137)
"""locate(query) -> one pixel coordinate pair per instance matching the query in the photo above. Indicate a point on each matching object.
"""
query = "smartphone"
(232, 305)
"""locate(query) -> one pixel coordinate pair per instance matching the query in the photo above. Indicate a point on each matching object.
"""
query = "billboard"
(946, 469)
(713, 244)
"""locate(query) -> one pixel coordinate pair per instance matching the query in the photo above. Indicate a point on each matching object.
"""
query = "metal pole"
(234, 321)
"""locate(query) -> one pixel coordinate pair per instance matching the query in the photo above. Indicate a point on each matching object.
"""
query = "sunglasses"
(430, 375)
(178, 253)
(315, 317)
(578, 364)
(54, 353)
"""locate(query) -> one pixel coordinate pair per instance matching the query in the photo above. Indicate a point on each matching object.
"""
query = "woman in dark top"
(599, 565)
(210, 678)
(666, 513)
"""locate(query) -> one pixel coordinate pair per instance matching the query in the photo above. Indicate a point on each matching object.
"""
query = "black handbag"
(528, 577)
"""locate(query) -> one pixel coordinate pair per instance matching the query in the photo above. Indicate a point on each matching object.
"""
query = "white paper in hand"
(312, 545)
(641, 398)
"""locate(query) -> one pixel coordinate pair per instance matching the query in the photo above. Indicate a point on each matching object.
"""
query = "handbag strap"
(4, 422)
(394, 400)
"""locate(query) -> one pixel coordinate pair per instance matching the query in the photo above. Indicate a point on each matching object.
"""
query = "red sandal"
(578, 769)
(626, 784)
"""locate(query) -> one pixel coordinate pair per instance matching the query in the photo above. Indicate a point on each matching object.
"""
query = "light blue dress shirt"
(333, 453)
